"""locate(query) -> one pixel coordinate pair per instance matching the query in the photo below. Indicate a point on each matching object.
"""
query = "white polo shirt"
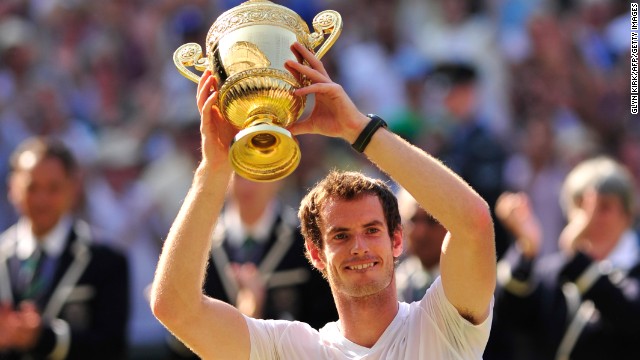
(428, 329)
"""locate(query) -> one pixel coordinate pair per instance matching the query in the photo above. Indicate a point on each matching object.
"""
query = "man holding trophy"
(353, 236)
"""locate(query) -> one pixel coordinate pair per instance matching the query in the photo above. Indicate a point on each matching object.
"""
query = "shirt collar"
(237, 231)
(52, 243)
(626, 253)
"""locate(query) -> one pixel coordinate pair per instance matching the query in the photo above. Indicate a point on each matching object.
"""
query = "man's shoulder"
(7, 238)
(107, 252)
(281, 327)
(7, 233)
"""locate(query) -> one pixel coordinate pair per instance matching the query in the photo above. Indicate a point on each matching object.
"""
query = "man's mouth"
(361, 266)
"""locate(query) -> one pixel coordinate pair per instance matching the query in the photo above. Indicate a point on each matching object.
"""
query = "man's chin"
(43, 226)
(364, 290)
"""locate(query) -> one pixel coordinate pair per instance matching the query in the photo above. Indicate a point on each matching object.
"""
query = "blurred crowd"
(511, 94)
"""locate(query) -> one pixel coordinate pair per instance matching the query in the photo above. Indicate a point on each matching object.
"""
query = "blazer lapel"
(72, 264)
(222, 263)
(276, 248)
(7, 249)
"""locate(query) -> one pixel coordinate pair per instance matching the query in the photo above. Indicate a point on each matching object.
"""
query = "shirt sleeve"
(465, 338)
(281, 339)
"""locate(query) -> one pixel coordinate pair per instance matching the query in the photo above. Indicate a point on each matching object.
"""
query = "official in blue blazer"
(584, 301)
(62, 295)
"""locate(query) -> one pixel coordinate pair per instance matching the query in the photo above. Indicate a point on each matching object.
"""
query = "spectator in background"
(63, 296)
(535, 169)
(469, 149)
(460, 32)
(419, 269)
(582, 302)
(169, 176)
(554, 79)
(17, 57)
(119, 204)
(381, 53)
(601, 82)
(628, 152)
(257, 261)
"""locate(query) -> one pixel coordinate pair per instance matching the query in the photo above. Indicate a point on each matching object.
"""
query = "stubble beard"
(359, 289)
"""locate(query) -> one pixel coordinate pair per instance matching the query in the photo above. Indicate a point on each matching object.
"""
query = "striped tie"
(31, 277)
(249, 249)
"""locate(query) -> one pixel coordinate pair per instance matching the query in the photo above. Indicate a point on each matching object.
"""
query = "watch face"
(379, 121)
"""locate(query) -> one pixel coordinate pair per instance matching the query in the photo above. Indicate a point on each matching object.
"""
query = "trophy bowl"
(246, 48)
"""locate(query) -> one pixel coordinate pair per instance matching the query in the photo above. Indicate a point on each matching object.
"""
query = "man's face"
(604, 221)
(42, 192)
(358, 255)
(608, 217)
(425, 236)
(460, 101)
(250, 193)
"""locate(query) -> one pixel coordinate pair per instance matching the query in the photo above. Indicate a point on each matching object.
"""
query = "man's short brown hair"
(606, 176)
(43, 147)
(344, 186)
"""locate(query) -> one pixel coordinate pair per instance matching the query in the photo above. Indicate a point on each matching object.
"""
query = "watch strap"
(367, 133)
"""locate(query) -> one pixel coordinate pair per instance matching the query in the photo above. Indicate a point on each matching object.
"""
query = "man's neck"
(364, 320)
(251, 214)
(602, 248)
(52, 240)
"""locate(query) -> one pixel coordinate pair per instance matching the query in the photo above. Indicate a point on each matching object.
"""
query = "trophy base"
(264, 153)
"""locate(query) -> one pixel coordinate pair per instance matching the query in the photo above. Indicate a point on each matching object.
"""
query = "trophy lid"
(256, 12)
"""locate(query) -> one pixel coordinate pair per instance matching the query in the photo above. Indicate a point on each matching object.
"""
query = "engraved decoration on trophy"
(246, 48)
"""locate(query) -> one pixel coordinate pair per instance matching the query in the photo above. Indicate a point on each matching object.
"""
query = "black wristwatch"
(367, 133)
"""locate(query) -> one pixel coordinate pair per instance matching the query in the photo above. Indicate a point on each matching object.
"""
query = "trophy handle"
(190, 54)
(326, 22)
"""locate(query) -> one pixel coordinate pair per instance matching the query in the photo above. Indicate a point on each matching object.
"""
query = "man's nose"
(360, 245)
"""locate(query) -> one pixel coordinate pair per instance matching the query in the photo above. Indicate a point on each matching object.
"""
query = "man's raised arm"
(211, 328)
(468, 260)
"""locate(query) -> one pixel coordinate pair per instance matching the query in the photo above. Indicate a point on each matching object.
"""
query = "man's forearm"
(178, 280)
(434, 186)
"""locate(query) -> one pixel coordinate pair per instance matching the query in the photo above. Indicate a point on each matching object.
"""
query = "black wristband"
(365, 136)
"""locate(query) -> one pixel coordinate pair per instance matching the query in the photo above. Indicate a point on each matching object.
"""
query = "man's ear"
(315, 255)
(396, 242)
(14, 190)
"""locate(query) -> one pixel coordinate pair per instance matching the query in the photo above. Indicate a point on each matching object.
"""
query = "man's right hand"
(514, 212)
(252, 289)
(19, 329)
(216, 132)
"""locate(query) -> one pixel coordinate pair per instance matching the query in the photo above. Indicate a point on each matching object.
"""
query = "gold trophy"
(246, 50)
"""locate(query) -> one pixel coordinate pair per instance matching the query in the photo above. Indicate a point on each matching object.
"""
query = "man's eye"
(373, 230)
(340, 236)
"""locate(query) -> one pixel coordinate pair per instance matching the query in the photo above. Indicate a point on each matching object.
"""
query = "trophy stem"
(264, 152)
(263, 141)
